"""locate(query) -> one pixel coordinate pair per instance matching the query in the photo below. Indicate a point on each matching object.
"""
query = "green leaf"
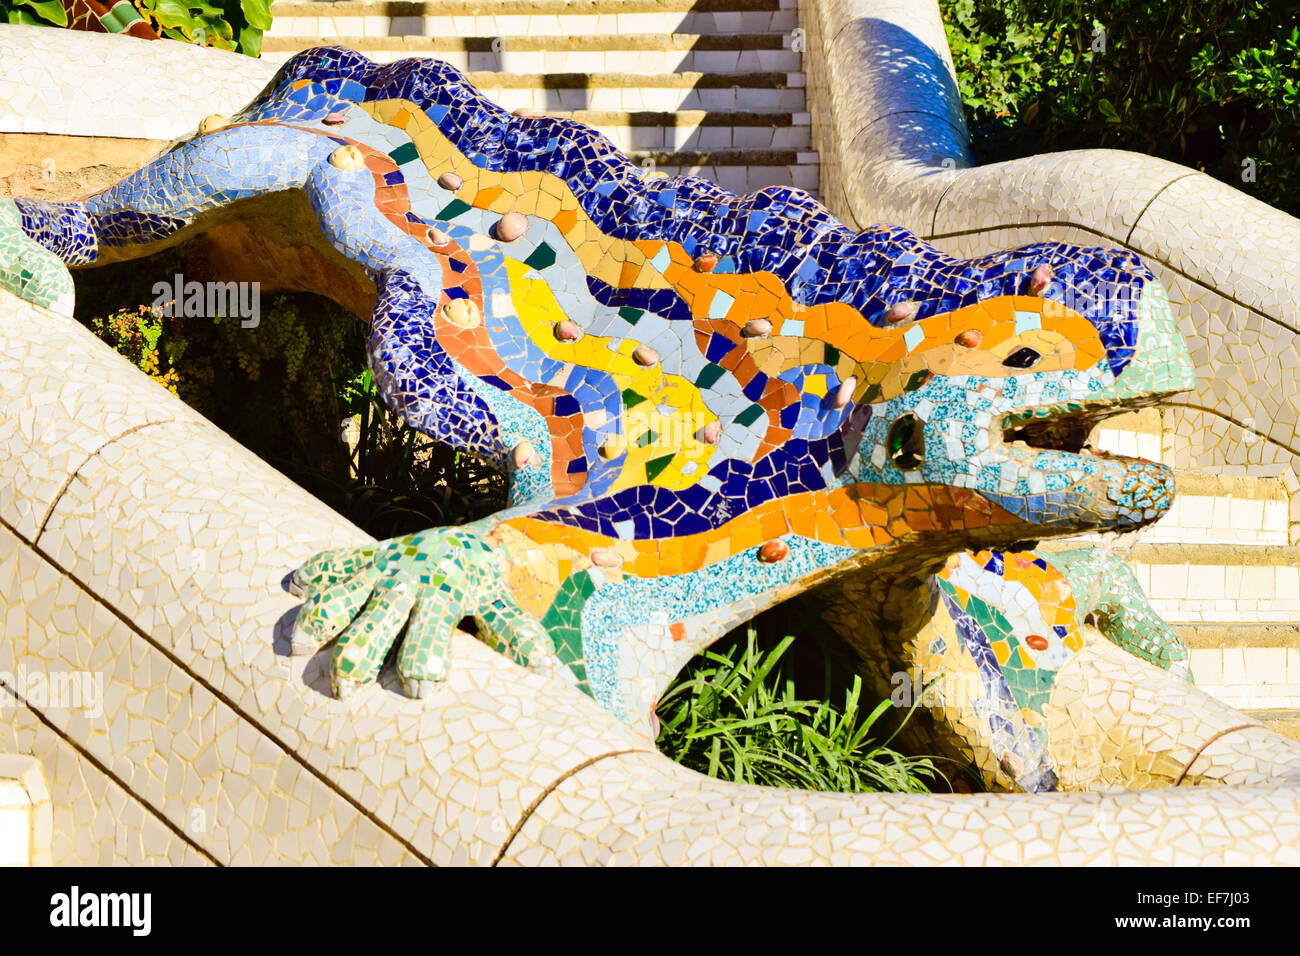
(49, 10)
(257, 13)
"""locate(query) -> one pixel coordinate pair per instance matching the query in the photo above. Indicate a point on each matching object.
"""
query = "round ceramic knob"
(756, 328)
(844, 394)
(611, 447)
(450, 181)
(970, 339)
(337, 118)
(462, 312)
(523, 453)
(711, 433)
(900, 312)
(645, 355)
(438, 238)
(773, 551)
(706, 262)
(347, 158)
(511, 226)
(566, 330)
(606, 558)
(210, 124)
(1040, 279)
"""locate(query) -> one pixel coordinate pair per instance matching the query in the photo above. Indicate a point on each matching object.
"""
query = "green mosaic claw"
(1106, 591)
(413, 590)
(28, 269)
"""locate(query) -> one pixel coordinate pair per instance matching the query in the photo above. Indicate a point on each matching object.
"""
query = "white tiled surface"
(15, 824)
(655, 62)
(37, 91)
(1195, 593)
(1250, 678)
(541, 24)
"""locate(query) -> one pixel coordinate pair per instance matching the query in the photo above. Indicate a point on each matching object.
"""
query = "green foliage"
(136, 333)
(286, 389)
(735, 714)
(34, 12)
(1211, 86)
(225, 24)
(395, 481)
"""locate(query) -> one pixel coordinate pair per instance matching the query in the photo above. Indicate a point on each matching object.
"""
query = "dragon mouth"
(1068, 428)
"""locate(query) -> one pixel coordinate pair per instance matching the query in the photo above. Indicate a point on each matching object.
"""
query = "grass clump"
(735, 714)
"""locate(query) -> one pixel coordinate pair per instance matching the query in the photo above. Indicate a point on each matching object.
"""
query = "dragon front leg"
(417, 589)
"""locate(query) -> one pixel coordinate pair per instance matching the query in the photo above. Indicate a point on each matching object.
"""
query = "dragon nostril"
(907, 442)
(1022, 358)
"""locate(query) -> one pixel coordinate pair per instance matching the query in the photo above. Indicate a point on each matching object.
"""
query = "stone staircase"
(712, 88)
(1223, 567)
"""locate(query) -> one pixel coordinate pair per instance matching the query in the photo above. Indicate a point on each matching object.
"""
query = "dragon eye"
(907, 443)
(1022, 358)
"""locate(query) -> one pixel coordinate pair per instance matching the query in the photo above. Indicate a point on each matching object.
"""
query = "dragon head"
(998, 397)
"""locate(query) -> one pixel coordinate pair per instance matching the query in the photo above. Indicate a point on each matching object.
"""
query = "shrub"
(1212, 86)
(225, 24)
(285, 390)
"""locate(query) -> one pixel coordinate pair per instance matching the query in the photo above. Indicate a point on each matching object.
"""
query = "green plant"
(136, 333)
(1212, 86)
(734, 713)
(395, 480)
(225, 24)
(34, 12)
(286, 389)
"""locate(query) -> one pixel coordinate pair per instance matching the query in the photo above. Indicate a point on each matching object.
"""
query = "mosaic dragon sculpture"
(705, 403)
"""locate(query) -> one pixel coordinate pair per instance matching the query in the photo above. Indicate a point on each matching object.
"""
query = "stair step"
(1246, 665)
(662, 159)
(512, 59)
(1283, 721)
(1226, 509)
(642, 53)
(531, 17)
(524, 43)
(687, 80)
(769, 91)
(699, 130)
(1217, 636)
(1206, 583)
(742, 179)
